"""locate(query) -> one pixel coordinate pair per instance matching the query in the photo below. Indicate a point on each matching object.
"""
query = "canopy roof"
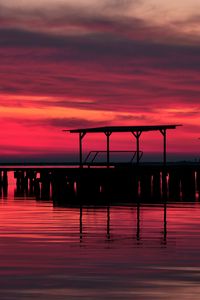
(135, 130)
(124, 128)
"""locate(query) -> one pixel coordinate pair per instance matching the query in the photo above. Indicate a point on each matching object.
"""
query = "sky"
(69, 64)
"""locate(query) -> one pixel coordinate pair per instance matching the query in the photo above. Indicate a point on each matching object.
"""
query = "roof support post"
(108, 134)
(164, 133)
(137, 135)
(81, 136)
(164, 173)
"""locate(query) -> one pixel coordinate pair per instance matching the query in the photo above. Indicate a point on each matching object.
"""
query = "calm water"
(131, 252)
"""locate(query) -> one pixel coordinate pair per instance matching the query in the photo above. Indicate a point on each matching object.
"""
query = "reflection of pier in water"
(137, 236)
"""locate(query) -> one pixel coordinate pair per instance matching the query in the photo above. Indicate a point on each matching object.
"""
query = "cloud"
(95, 58)
(111, 19)
(59, 123)
(119, 62)
(89, 74)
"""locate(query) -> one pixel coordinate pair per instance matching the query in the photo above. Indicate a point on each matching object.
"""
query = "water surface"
(147, 251)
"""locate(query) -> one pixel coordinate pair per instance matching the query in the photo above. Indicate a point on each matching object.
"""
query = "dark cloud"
(59, 123)
(120, 4)
(132, 118)
(104, 46)
(53, 24)
(70, 123)
(116, 65)
(11, 37)
(116, 80)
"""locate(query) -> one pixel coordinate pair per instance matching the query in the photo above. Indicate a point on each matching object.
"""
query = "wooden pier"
(122, 183)
(99, 183)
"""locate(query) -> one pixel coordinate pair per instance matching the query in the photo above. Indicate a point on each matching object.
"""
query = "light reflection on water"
(120, 252)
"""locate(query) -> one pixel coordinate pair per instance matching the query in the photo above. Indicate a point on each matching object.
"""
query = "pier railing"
(94, 154)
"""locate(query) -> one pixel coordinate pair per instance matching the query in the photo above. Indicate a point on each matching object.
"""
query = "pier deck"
(99, 184)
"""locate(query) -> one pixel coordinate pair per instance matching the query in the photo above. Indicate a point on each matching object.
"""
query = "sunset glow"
(67, 65)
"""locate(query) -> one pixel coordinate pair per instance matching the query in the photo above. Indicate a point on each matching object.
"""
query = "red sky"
(96, 63)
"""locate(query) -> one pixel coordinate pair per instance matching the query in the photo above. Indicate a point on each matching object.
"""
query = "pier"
(72, 185)
(102, 183)
(136, 131)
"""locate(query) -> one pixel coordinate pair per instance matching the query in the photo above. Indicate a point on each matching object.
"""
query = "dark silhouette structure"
(80, 184)
(135, 130)
(104, 186)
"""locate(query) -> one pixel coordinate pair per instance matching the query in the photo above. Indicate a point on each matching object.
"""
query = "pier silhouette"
(101, 186)
(136, 224)
(107, 182)
(136, 132)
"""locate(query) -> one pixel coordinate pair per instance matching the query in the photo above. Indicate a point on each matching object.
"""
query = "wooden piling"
(156, 188)
(145, 181)
(188, 184)
(174, 185)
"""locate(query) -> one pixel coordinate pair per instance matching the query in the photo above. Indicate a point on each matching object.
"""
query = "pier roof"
(123, 128)
(135, 130)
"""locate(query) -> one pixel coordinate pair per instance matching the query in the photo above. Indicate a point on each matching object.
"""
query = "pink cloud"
(122, 70)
